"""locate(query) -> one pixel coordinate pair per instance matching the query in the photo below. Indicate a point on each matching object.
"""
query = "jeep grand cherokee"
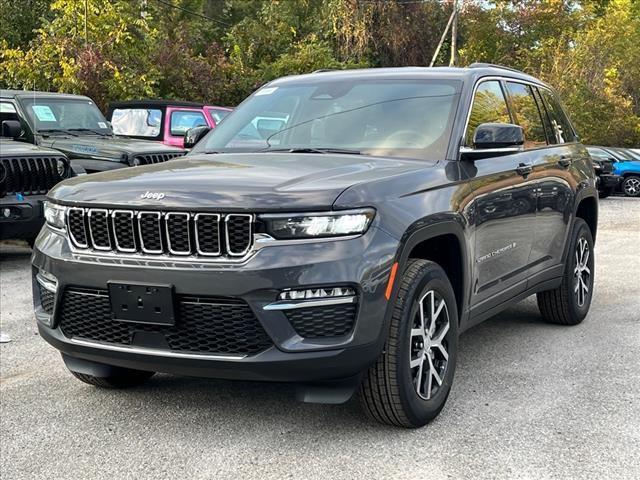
(343, 247)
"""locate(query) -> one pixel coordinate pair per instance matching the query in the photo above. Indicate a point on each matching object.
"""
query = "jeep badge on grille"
(153, 195)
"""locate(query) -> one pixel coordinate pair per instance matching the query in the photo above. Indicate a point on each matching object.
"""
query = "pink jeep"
(165, 121)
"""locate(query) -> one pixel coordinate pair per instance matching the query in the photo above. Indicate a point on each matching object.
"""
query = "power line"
(190, 12)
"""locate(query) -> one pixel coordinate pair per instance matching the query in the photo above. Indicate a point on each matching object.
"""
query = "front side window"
(183, 120)
(562, 130)
(394, 117)
(136, 122)
(61, 114)
(489, 106)
(527, 114)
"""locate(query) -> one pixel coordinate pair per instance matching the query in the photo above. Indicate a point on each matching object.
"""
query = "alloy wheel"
(429, 356)
(582, 272)
(632, 186)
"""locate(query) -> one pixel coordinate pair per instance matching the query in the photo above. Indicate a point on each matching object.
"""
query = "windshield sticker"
(44, 113)
(102, 125)
(84, 149)
(266, 91)
(7, 108)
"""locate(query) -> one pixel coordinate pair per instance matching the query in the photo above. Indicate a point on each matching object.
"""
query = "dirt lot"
(530, 400)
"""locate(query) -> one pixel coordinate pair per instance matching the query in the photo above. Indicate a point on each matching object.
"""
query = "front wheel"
(410, 382)
(569, 303)
(631, 186)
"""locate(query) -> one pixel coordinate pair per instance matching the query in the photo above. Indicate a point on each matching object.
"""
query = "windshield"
(402, 118)
(136, 122)
(79, 115)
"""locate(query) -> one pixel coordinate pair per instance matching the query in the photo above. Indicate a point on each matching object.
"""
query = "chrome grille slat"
(161, 234)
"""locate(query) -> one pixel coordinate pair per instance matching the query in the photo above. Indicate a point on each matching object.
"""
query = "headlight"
(318, 225)
(54, 214)
(62, 168)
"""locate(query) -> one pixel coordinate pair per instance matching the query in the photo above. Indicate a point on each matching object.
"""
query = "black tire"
(604, 193)
(562, 305)
(631, 186)
(120, 378)
(388, 392)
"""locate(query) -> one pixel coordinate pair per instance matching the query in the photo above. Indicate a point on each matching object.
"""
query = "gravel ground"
(530, 400)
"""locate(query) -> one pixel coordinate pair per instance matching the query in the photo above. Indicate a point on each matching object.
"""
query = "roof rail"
(325, 70)
(493, 65)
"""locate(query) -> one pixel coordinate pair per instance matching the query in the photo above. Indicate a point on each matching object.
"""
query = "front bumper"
(25, 217)
(608, 181)
(362, 263)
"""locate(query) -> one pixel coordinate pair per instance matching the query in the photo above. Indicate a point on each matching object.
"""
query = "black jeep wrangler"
(27, 172)
(338, 230)
(73, 125)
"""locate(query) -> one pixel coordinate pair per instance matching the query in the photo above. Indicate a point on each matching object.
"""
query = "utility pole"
(454, 36)
(86, 14)
(444, 34)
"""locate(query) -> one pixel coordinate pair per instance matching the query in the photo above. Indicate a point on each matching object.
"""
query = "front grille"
(213, 325)
(157, 233)
(47, 298)
(329, 321)
(29, 175)
(150, 158)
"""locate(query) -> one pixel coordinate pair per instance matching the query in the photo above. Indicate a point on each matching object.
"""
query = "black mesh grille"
(29, 175)
(150, 231)
(150, 158)
(204, 325)
(77, 227)
(153, 232)
(238, 233)
(46, 299)
(99, 228)
(208, 233)
(124, 230)
(178, 232)
(330, 321)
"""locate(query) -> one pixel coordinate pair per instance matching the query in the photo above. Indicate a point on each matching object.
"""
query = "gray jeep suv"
(338, 230)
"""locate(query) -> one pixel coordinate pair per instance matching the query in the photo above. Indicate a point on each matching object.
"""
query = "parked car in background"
(626, 164)
(164, 121)
(74, 125)
(27, 173)
(343, 245)
(608, 182)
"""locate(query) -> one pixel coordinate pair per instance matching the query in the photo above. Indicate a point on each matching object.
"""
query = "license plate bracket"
(142, 303)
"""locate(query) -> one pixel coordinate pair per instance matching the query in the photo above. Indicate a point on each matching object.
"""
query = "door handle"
(565, 161)
(524, 169)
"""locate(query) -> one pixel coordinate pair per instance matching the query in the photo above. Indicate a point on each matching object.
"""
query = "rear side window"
(562, 130)
(183, 120)
(218, 114)
(489, 106)
(136, 122)
(527, 114)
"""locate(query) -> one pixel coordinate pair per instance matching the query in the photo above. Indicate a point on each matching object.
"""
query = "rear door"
(540, 112)
(503, 208)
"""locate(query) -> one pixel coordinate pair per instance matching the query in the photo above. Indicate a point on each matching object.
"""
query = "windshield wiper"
(102, 134)
(57, 130)
(345, 151)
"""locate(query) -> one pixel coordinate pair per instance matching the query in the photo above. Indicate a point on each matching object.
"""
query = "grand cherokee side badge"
(153, 195)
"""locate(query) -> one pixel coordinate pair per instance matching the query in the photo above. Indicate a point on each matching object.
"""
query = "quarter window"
(562, 130)
(489, 106)
(527, 114)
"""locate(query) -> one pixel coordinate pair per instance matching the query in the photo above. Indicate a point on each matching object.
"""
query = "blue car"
(626, 164)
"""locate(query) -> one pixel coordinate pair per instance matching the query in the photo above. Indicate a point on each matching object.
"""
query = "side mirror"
(194, 135)
(11, 128)
(498, 135)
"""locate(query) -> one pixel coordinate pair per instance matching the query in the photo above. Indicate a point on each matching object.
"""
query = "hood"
(10, 147)
(117, 149)
(233, 182)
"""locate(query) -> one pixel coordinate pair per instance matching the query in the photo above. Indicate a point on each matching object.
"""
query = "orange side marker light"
(392, 278)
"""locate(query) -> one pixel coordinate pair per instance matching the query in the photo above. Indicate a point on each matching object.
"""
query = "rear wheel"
(631, 186)
(119, 378)
(410, 382)
(569, 303)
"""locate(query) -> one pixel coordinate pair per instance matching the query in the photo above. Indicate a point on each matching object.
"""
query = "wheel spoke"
(418, 381)
(416, 362)
(434, 372)
(441, 334)
(429, 382)
(417, 332)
